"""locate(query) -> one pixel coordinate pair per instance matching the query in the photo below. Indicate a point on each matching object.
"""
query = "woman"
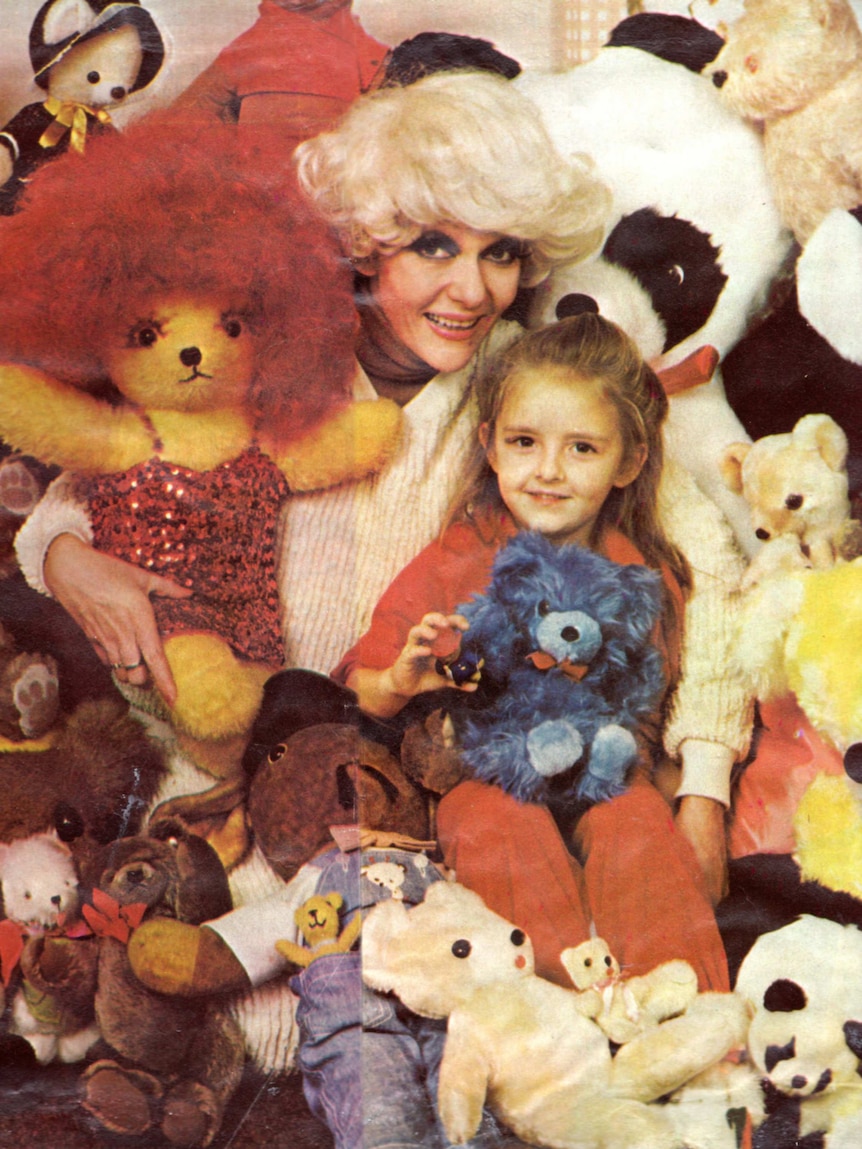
(448, 196)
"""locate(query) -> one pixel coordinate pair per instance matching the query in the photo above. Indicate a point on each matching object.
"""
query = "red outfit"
(213, 531)
(290, 53)
(639, 881)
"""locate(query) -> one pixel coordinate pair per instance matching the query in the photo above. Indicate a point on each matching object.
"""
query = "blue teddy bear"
(563, 636)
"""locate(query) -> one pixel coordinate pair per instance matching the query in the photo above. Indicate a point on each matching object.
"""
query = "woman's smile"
(443, 293)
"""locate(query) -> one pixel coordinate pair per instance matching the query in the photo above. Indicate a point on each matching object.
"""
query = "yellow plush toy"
(196, 367)
(318, 921)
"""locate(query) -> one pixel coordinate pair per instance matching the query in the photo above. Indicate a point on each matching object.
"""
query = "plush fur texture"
(318, 922)
(94, 784)
(625, 1007)
(795, 66)
(169, 210)
(694, 240)
(796, 488)
(39, 885)
(802, 984)
(29, 691)
(522, 1043)
(567, 604)
(170, 1063)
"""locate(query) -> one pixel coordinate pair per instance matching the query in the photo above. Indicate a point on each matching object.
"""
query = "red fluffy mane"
(167, 208)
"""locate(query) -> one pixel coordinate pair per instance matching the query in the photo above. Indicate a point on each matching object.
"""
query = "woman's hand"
(109, 600)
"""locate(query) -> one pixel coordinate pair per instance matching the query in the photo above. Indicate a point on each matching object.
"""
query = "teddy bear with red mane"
(182, 344)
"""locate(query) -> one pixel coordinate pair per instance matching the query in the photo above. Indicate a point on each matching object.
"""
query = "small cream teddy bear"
(626, 1007)
(796, 487)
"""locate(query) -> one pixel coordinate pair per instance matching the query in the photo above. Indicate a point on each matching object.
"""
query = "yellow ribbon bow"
(69, 115)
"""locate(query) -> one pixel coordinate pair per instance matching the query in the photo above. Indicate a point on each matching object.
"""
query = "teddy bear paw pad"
(120, 1099)
(35, 694)
(19, 488)
(190, 1115)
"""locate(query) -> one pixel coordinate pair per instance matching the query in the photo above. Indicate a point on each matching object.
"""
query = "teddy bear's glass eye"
(517, 937)
(27, 896)
(794, 502)
(677, 274)
(544, 607)
(461, 948)
(67, 822)
(146, 336)
(608, 962)
(93, 77)
(233, 328)
(277, 752)
(588, 962)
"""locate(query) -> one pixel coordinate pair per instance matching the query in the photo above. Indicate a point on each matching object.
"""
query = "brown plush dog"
(93, 785)
(170, 1063)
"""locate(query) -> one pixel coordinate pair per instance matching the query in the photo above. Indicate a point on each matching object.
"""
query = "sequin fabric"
(213, 531)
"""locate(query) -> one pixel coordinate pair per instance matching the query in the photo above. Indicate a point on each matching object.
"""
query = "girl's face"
(558, 452)
(444, 293)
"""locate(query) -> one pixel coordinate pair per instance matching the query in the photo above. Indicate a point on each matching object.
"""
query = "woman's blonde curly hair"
(462, 147)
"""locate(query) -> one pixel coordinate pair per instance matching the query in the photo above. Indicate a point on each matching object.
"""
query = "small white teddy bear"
(39, 888)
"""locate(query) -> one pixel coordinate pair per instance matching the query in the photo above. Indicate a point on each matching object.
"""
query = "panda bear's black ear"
(673, 38)
(853, 1037)
(784, 996)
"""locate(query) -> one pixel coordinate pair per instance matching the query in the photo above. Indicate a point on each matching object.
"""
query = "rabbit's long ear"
(386, 922)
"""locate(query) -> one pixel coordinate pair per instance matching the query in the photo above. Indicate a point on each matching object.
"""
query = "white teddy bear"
(39, 888)
(522, 1043)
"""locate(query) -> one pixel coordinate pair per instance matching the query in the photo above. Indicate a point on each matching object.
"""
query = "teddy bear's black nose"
(190, 356)
(56, 900)
(118, 93)
(719, 79)
(762, 533)
(576, 303)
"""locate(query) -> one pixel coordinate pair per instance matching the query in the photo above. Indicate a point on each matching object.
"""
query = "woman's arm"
(709, 722)
(107, 598)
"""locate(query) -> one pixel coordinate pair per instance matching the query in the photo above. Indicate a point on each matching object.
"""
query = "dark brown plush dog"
(170, 1063)
(93, 786)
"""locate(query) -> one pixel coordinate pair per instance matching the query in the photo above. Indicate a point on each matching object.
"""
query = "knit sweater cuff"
(706, 770)
(58, 513)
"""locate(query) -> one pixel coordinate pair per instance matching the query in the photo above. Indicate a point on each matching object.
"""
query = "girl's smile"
(444, 293)
(558, 453)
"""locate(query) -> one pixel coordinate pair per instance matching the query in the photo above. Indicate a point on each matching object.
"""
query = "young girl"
(570, 445)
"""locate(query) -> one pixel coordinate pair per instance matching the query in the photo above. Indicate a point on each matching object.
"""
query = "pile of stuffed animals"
(734, 258)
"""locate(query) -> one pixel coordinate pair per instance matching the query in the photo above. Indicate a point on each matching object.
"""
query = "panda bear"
(695, 241)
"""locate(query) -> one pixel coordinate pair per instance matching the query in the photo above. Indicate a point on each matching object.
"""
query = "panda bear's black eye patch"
(784, 996)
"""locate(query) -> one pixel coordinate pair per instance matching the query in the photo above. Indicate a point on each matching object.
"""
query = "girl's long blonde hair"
(588, 347)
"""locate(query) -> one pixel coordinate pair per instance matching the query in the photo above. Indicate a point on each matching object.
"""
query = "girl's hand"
(109, 600)
(414, 671)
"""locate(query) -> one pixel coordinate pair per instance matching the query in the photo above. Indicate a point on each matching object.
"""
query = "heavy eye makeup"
(437, 244)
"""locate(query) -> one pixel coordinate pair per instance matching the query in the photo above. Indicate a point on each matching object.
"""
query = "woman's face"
(444, 293)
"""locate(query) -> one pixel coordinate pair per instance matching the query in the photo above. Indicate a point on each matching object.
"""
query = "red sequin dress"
(213, 531)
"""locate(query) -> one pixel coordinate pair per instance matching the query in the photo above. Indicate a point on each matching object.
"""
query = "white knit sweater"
(341, 548)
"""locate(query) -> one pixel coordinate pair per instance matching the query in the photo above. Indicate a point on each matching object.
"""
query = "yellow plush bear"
(318, 921)
(196, 368)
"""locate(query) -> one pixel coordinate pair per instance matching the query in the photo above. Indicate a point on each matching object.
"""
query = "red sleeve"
(445, 574)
